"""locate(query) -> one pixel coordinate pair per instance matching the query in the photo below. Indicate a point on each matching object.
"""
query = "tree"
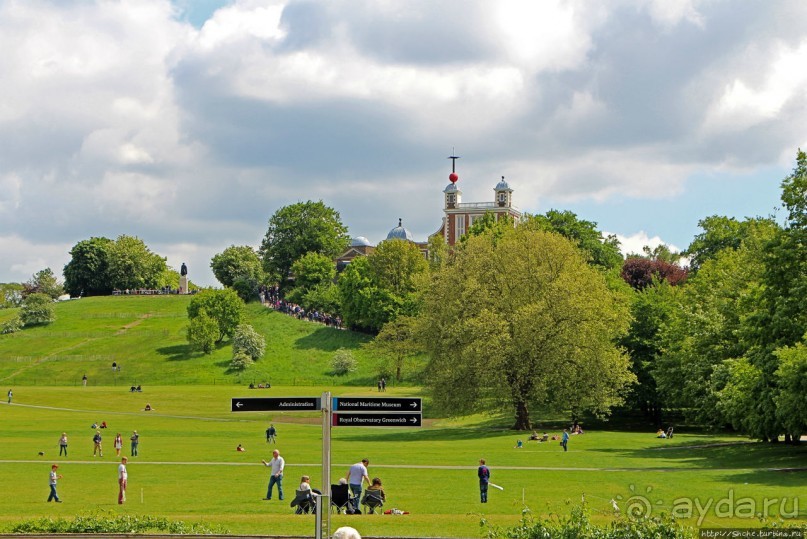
(132, 265)
(601, 251)
(343, 362)
(87, 273)
(202, 332)
(223, 306)
(377, 288)
(43, 282)
(640, 273)
(397, 343)
(523, 322)
(791, 404)
(248, 341)
(237, 262)
(11, 295)
(310, 271)
(305, 227)
(719, 233)
(37, 309)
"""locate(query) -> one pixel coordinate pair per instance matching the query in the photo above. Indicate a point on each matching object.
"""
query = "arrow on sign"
(239, 404)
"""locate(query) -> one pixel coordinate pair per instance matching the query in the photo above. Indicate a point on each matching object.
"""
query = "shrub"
(111, 523)
(37, 309)
(12, 326)
(343, 362)
(248, 341)
(240, 361)
(202, 332)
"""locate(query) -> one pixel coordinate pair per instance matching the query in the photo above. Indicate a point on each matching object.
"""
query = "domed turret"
(504, 195)
(399, 233)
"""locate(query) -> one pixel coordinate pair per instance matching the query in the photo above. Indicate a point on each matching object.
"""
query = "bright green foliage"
(791, 376)
(578, 525)
(223, 306)
(11, 326)
(397, 344)
(489, 224)
(237, 262)
(312, 271)
(377, 288)
(720, 233)
(343, 362)
(241, 361)
(600, 251)
(246, 288)
(523, 322)
(132, 265)
(203, 332)
(248, 341)
(324, 297)
(106, 523)
(438, 251)
(305, 227)
(10, 295)
(87, 273)
(44, 282)
(37, 309)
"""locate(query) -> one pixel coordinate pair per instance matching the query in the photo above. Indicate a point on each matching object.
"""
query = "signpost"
(341, 412)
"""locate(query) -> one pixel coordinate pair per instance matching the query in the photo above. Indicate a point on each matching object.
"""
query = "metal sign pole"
(323, 523)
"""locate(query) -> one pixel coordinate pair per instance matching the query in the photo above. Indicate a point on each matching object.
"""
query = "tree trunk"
(522, 417)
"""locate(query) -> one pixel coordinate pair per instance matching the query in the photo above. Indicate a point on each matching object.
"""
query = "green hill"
(145, 336)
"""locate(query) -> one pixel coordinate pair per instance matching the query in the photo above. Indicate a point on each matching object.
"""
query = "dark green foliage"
(246, 288)
(112, 523)
(223, 306)
(720, 233)
(298, 229)
(132, 265)
(600, 251)
(313, 283)
(87, 273)
(37, 309)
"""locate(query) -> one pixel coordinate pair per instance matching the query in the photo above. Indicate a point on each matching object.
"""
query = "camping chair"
(372, 499)
(340, 498)
(304, 502)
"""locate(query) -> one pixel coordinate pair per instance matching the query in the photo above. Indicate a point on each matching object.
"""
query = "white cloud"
(634, 243)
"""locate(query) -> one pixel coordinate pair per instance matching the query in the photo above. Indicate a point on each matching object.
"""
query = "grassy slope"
(188, 468)
(146, 337)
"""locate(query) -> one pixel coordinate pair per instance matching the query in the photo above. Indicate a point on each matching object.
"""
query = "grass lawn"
(188, 468)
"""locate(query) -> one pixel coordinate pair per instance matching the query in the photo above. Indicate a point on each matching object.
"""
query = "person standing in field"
(96, 440)
(10, 394)
(277, 464)
(52, 482)
(123, 479)
(355, 476)
(84, 380)
(564, 441)
(63, 444)
(118, 444)
(135, 439)
(483, 472)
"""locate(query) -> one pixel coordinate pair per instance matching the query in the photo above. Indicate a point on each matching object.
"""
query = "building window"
(502, 197)
(459, 226)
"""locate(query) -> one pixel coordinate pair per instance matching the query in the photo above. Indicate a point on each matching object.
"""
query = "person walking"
(84, 380)
(277, 464)
(271, 432)
(118, 444)
(54, 477)
(565, 439)
(63, 444)
(10, 394)
(483, 472)
(97, 444)
(135, 439)
(354, 477)
(123, 479)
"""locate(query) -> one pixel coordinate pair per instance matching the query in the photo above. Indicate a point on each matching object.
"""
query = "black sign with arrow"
(377, 404)
(276, 404)
(390, 419)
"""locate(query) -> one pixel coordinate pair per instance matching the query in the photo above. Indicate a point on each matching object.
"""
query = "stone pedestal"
(183, 284)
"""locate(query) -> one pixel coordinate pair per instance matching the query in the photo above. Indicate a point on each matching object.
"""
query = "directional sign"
(389, 419)
(377, 404)
(275, 404)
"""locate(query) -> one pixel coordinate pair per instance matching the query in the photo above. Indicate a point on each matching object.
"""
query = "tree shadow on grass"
(183, 352)
(329, 339)
(422, 435)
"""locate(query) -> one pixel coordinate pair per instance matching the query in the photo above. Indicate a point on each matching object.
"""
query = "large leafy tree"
(601, 251)
(87, 273)
(37, 309)
(640, 273)
(314, 286)
(377, 288)
(44, 282)
(132, 265)
(719, 233)
(523, 322)
(237, 262)
(223, 306)
(297, 229)
(397, 344)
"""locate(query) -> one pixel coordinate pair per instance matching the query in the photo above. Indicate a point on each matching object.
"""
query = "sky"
(189, 123)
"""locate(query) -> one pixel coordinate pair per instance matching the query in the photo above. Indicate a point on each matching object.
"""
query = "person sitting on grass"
(661, 434)
(148, 408)
(519, 445)
(240, 448)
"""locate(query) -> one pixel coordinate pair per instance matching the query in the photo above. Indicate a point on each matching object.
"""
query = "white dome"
(359, 241)
(399, 233)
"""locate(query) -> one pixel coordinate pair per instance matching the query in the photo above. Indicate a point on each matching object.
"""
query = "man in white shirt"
(277, 464)
(355, 475)
(123, 479)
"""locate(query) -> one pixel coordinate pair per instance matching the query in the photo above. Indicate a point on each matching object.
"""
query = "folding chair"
(340, 498)
(372, 499)
(304, 502)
